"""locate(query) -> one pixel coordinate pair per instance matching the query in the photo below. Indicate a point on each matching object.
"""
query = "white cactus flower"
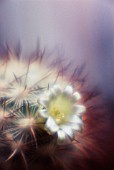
(62, 113)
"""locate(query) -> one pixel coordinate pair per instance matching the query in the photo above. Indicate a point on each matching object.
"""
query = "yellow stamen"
(60, 108)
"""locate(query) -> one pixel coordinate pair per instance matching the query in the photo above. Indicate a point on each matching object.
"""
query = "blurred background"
(80, 30)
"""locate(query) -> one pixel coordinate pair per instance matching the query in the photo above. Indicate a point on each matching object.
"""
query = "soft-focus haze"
(82, 30)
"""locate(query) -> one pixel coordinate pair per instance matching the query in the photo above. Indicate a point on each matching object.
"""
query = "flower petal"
(61, 135)
(51, 126)
(76, 96)
(68, 91)
(68, 130)
(75, 126)
(51, 94)
(43, 101)
(79, 109)
(75, 119)
(57, 89)
(43, 113)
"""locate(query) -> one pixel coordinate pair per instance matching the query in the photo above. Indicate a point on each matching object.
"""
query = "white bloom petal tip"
(75, 119)
(57, 89)
(68, 130)
(68, 91)
(43, 102)
(51, 94)
(79, 110)
(61, 136)
(43, 113)
(76, 96)
(76, 127)
(51, 126)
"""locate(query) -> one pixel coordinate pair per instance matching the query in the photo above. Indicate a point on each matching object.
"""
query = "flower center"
(60, 108)
(57, 114)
